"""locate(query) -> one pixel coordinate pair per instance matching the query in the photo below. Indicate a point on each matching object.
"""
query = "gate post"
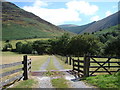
(73, 64)
(70, 60)
(86, 66)
(25, 68)
(66, 61)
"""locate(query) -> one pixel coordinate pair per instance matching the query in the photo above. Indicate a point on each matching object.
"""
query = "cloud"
(108, 13)
(39, 3)
(83, 7)
(95, 18)
(58, 16)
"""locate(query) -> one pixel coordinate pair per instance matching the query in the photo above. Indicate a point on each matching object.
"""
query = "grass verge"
(59, 83)
(105, 81)
(62, 62)
(30, 83)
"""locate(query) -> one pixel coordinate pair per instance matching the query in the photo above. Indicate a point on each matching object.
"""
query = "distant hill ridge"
(75, 28)
(105, 23)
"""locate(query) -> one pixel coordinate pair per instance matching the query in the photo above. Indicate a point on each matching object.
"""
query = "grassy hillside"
(109, 30)
(19, 24)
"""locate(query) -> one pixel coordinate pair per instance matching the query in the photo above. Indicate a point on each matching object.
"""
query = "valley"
(54, 51)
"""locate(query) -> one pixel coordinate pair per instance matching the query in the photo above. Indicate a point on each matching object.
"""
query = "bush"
(7, 47)
(25, 48)
(40, 46)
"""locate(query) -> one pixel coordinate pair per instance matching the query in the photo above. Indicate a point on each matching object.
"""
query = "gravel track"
(45, 82)
(75, 82)
(44, 65)
(57, 63)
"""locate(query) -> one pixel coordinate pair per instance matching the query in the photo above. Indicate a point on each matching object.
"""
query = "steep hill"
(104, 23)
(109, 30)
(20, 24)
(75, 28)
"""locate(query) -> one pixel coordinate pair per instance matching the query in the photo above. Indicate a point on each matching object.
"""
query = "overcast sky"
(77, 12)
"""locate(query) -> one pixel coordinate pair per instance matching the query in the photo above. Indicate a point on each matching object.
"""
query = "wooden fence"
(25, 69)
(90, 65)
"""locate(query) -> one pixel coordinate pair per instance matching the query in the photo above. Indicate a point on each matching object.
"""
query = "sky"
(78, 12)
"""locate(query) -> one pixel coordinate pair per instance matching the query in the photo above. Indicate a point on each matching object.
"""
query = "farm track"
(44, 65)
(45, 81)
(57, 63)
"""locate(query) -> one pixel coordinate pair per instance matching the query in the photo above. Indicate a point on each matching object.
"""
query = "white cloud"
(95, 18)
(83, 7)
(108, 13)
(59, 16)
(39, 3)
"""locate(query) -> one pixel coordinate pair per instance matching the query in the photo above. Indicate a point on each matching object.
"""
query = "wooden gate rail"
(26, 69)
(77, 66)
(102, 65)
(84, 69)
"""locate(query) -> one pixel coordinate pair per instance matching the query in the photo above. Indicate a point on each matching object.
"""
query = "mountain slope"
(20, 24)
(75, 28)
(104, 23)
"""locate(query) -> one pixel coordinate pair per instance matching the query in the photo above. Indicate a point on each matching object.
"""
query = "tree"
(77, 45)
(39, 46)
(19, 47)
(60, 45)
(27, 48)
(93, 44)
(113, 47)
(84, 44)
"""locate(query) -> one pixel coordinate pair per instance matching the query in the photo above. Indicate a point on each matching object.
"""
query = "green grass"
(59, 83)
(53, 73)
(30, 83)
(105, 81)
(111, 29)
(51, 65)
(37, 61)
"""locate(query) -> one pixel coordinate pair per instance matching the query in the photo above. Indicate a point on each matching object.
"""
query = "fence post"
(73, 64)
(78, 66)
(86, 66)
(66, 61)
(70, 60)
(25, 68)
(109, 63)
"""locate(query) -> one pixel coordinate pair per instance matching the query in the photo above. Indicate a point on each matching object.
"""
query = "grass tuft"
(59, 83)
(30, 83)
(105, 81)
